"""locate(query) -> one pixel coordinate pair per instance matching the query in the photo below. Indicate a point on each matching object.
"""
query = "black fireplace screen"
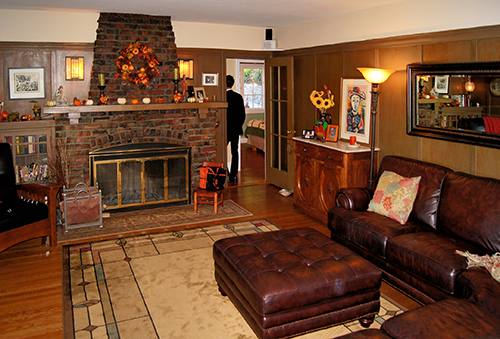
(142, 174)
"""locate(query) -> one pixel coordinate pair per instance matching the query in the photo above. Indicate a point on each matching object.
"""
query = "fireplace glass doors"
(142, 174)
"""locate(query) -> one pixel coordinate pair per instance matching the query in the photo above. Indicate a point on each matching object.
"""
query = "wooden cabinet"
(321, 169)
(31, 143)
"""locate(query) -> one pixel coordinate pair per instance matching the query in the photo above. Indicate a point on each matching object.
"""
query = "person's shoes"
(232, 179)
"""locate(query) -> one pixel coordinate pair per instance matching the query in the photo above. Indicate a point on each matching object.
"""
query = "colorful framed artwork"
(332, 133)
(27, 83)
(355, 111)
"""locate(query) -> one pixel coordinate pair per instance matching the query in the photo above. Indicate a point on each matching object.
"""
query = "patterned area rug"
(162, 286)
(151, 220)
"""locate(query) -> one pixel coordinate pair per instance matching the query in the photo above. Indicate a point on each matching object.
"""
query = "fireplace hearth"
(142, 174)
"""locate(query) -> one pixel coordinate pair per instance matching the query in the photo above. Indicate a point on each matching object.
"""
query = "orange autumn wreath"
(145, 67)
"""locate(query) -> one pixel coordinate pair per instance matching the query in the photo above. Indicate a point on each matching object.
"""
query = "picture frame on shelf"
(210, 79)
(308, 134)
(199, 93)
(26, 83)
(355, 110)
(332, 133)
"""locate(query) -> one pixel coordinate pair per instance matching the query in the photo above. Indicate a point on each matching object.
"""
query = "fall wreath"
(145, 67)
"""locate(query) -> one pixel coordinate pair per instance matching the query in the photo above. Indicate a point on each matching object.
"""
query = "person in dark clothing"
(235, 120)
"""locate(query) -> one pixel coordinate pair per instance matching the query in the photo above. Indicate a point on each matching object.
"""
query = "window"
(252, 86)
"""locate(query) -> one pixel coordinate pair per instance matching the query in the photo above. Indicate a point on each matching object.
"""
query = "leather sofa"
(452, 211)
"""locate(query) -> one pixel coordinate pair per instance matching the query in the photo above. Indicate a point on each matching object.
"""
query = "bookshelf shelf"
(31, 144)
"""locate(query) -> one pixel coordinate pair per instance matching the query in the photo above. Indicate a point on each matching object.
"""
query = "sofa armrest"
(42, 192)
(354, 199)
(479, 286)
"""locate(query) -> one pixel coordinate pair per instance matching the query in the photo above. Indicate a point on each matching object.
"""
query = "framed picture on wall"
(355, 110)
(332, 133)
(210, 79)
(27, 83)
(441, 84)
(199, 93)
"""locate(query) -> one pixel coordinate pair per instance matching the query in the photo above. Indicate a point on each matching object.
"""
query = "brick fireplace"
(100, 126)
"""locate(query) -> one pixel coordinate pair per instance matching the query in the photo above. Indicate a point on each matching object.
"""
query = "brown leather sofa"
(452, 211)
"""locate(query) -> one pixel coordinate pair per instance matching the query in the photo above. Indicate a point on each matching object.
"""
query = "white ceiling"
(257, 13)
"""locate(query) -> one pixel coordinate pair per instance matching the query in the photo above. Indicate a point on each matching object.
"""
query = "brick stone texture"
(99, 130)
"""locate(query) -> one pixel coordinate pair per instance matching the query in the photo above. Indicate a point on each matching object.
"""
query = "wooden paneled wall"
(50, 56)
(329, 64)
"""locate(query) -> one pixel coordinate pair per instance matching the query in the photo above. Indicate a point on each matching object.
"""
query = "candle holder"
(103, 99)
(176, 86)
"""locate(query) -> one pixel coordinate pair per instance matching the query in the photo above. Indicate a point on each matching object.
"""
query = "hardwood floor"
(31, 274)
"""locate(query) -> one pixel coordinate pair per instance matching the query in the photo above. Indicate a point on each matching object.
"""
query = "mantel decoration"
(145, 67)
(322, 100)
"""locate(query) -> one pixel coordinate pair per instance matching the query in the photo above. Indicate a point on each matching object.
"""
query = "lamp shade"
(186, 68)
(470, 86)
(376, 75)
(74, 68)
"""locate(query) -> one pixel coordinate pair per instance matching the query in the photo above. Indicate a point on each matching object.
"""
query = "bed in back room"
(255, 133)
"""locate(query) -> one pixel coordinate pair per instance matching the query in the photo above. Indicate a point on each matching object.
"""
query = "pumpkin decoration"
(135, 101)
(144, 69)
(77, 102)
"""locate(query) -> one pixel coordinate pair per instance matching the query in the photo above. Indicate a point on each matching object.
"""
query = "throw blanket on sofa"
(491, 263)
(492, 124)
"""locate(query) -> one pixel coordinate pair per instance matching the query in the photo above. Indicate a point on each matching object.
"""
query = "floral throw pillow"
(394, 196)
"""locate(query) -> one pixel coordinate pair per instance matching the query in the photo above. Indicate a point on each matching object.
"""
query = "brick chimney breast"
(114, 33)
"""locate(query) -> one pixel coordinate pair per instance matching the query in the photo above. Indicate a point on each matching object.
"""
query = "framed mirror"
(455, 102)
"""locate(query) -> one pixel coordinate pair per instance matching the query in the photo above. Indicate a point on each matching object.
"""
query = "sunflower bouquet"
(145, 67)
(322, 100)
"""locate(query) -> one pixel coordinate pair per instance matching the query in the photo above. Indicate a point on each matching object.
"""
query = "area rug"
(154, 219)
(162, 286)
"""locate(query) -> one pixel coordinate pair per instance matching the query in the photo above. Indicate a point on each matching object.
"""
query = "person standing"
(235, 120)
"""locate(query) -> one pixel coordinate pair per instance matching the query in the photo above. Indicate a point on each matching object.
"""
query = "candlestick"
(102, 79)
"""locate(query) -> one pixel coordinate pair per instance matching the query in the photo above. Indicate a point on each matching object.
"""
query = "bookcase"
(31, 143)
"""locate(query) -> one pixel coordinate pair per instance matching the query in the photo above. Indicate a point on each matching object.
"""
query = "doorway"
(249, 82)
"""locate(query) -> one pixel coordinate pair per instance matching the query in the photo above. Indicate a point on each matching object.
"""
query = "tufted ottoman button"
(290, 282)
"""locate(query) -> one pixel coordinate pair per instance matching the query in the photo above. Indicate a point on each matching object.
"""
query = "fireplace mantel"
(74, 112)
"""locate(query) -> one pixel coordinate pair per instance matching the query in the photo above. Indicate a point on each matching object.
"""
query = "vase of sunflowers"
(322, 100)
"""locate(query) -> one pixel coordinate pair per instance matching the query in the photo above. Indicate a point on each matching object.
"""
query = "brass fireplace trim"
(118, 155)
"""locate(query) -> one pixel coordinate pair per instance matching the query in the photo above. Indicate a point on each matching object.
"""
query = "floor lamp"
(375, 76)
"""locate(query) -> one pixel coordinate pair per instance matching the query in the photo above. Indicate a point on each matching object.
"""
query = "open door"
(279, 122)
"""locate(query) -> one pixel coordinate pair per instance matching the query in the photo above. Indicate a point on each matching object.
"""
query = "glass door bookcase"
(31, 144)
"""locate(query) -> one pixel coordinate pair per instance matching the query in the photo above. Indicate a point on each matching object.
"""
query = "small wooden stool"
(208, 197)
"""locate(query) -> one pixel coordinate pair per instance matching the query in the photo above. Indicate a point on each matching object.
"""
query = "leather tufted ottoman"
(291, 282)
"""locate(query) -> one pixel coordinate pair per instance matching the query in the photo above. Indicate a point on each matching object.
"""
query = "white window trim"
(240, 64)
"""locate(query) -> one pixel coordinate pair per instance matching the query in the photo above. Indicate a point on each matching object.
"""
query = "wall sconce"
(74, 68)
(469, 87)
(186, 68)
(375, 76)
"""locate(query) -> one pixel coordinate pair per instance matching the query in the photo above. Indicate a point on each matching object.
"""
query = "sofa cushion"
(21, 213)
(430, 256)
(369, 230)
(470, 209)
(394, 196)
(426, 203)
(450, 318)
